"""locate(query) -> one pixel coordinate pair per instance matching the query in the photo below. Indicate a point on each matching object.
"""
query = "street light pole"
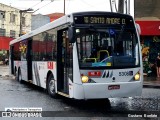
(21, 11)
(20, 30)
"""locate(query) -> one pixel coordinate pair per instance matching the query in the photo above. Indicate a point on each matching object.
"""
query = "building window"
(23, 21)
(2, 32)
(12, 33)
(12, 17)
(2, 15)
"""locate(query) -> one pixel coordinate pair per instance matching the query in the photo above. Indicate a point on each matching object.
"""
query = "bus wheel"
(19, 76)
(51, 86)
(105, 103)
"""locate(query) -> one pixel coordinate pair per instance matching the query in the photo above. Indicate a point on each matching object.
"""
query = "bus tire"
(51, 86)
(19, 76)
(107, 103)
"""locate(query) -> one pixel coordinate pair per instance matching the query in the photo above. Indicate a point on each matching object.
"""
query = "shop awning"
(4, 42)
(149, 27)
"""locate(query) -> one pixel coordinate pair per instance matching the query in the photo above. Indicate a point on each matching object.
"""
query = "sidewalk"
(4, 70)
(152, 82)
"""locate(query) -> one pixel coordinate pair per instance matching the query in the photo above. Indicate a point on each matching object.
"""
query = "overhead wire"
(43, 6)
(36, 4)
(87, 3)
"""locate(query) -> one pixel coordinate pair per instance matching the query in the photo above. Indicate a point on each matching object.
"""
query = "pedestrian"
(158, 65)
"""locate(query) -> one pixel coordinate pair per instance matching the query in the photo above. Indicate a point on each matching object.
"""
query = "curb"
(150, 86)
(7, 76)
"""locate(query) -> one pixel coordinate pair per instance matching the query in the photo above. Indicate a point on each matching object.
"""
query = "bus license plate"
(113, 87)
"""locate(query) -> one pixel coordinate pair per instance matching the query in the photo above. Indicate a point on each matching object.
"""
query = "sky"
(52, 6)
(46, 6)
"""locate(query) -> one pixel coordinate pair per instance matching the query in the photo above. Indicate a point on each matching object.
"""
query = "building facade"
(10, 21)
(54, 16)
(39, 20)
(148, 17)
(10, 25)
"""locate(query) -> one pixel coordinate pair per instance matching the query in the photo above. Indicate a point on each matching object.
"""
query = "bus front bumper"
(112, 90)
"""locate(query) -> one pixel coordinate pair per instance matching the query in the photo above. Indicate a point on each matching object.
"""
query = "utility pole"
(121, 6)
(22, 11)
(128, 7)
(64, 7)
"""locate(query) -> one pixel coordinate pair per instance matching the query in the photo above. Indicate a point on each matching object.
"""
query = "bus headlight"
(137, 76)
(85, 79)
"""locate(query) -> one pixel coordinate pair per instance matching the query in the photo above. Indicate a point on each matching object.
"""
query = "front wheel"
(51, 86)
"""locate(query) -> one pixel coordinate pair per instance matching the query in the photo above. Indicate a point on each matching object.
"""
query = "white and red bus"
(85, 55)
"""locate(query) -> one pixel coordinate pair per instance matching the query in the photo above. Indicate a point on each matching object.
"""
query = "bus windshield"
(109, 47)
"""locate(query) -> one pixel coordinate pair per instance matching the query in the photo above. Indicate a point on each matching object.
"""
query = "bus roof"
(62, 21)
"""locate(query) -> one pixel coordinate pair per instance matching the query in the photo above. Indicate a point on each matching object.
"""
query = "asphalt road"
(14, 94)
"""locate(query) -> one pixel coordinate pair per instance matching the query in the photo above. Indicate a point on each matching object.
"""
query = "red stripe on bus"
(94, 73)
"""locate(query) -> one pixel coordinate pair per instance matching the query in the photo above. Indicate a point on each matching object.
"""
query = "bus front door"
(64, 62)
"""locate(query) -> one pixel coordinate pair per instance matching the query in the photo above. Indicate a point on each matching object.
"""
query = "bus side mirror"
(71, 34)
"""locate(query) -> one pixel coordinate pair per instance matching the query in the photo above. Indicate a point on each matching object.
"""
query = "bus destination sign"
(100, 20)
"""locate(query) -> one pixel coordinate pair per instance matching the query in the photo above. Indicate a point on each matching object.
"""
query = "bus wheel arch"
(48, 74)
(50, 85)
